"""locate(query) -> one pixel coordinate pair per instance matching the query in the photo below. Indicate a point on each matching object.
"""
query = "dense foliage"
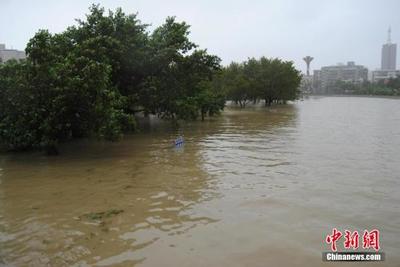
(271, 80)
(92, 78)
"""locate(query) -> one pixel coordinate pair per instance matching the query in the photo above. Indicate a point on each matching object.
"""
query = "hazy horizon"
(331, 32)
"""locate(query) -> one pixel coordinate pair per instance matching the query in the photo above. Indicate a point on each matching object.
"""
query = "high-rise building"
(388, 60)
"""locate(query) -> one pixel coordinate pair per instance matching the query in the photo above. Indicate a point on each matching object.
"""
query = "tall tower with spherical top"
(308, 60)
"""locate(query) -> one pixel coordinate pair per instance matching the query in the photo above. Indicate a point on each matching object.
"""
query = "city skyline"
(236, 30)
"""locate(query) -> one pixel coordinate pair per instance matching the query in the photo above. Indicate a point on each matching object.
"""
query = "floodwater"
(252, 187)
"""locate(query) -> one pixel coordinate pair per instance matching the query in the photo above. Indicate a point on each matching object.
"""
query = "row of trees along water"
(388, 87)
(270, 80)
(91, 80)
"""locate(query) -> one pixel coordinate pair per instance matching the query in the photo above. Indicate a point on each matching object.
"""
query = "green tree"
(272, 80)
(92, 78)
(237, 85)
(173, 88)
(210, 101)
(64, 96)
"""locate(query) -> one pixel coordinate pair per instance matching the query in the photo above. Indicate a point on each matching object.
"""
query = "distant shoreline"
(344, 95)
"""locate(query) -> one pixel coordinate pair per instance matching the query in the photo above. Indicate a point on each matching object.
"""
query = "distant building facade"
(7, 54)
(330, 75)
(316, 83)
(378, 75)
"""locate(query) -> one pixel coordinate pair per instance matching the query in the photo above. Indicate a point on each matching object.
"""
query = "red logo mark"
(332, 239)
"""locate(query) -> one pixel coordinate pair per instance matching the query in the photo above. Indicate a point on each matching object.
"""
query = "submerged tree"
(236, 84)
(92, 78)
(52, 98)
(271, 80)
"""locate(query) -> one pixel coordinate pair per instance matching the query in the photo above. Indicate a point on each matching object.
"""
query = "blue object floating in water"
(179, 141)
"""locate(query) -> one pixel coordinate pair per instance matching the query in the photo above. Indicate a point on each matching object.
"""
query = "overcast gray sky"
(331, 31)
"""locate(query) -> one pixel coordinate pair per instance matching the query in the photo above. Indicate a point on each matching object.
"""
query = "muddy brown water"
(253, 187)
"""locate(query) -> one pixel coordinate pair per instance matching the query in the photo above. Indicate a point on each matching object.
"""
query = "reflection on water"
(253, 187)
